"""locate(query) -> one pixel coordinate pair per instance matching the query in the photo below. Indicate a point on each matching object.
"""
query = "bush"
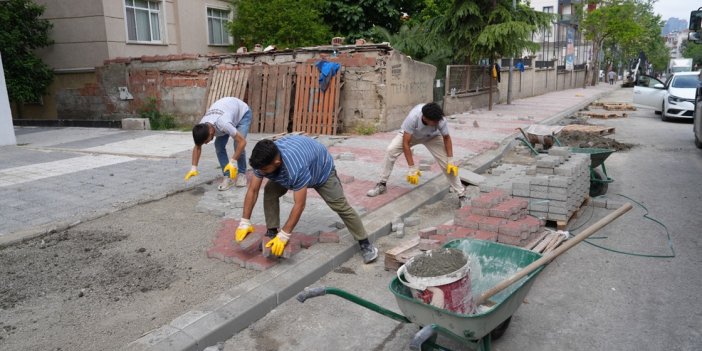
(158, 120)
(365, 128)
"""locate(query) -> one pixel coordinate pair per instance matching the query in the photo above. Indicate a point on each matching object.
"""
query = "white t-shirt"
(225, 114)
(421, 132)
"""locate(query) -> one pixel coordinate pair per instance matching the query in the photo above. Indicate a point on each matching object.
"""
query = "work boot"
(369, 253)
(241, 180)
(379, 188)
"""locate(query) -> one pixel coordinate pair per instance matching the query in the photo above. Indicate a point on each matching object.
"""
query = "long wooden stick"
(553, 254)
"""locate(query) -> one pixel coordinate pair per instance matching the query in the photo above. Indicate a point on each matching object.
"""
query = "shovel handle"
(553, 254)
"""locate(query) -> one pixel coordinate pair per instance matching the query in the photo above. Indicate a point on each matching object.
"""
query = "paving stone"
(329, 237)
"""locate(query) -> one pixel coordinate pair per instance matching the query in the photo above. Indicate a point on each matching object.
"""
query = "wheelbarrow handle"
(427, 332)
(553, 254)
(311, 292)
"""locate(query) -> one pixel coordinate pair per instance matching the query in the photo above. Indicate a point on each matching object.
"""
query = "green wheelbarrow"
(501, 276)
(599, 180)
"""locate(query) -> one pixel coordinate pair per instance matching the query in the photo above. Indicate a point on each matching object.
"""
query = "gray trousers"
(332, 193)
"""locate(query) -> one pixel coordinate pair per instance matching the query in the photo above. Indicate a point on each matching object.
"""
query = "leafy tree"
(488, 28)
(21, 32)
(693, 51)
(354, 19)
(284, 23)
(612, 19)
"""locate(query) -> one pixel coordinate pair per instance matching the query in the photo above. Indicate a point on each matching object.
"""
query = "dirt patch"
(591, 140)
(437, 263)
(104, 283)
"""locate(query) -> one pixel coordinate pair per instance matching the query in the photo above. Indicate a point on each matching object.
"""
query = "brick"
(440, 238)
(265, 251)
(490, 224)
(472, 221)
(461, 232)
(510, 240)
(411, 221)
(429, 244)
(484, 235)
(306, 241)
(426, 232)
(291, 248)
(261, 263)
(329, 237)
(444, 229)
(251, 242)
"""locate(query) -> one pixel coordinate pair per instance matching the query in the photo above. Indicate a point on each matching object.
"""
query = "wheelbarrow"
(599, 180)
(502, 278)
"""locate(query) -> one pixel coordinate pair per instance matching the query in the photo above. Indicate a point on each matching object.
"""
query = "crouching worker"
(227, 117)
(297, 163)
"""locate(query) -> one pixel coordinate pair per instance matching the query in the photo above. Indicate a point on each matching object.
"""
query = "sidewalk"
(56, 178)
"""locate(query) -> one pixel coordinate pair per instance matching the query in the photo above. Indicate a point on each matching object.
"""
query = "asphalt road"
(637, 291)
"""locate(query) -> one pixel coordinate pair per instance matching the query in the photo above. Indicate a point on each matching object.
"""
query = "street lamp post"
(511, 67)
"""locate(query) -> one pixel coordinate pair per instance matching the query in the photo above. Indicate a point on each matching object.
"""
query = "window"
(548, 9)
(217, 26)
(143, 20)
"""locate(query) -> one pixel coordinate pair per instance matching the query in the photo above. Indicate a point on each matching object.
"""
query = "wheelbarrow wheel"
(598, 185)
(500, 329)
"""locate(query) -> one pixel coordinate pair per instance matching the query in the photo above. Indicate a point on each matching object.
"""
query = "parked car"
(697, 120)
(673, 99)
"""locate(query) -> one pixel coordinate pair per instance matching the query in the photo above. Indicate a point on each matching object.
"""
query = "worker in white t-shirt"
(227, 117)
(425, 124)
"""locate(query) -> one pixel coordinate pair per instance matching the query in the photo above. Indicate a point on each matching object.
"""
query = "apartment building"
(86, 33)
(563, 43)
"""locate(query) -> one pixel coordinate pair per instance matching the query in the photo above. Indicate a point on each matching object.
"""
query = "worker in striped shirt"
(297, 163)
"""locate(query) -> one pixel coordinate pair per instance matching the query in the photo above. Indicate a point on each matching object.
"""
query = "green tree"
(488, 29)
(284, 23)
(354, 19)
(611, 20)
(693, 51)
(21, 32)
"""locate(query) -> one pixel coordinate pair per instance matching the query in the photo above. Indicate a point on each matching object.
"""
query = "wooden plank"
(337, 102)
(288, 96)
(299, 73)
(328, 107)
(269, 106)
(314, 113)
(280, 99)
(306, 100)
(255, 94)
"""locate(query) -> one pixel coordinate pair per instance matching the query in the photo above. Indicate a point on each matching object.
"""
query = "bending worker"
(227, 117)
(425, 124)
(297, 163)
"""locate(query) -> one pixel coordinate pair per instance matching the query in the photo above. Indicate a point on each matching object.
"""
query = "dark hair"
(263, 154)
(200, 133)
(432, 111)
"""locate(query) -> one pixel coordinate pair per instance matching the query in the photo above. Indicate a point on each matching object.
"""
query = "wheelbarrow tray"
(491, 263)
(597, 155)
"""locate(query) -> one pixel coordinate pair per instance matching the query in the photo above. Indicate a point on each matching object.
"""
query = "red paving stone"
(261, 263)
(329, 237)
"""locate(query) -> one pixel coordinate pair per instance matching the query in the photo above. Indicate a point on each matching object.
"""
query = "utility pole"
(511, 68)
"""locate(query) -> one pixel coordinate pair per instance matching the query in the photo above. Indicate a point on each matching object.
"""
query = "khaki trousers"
(437, 149)
(332, 193)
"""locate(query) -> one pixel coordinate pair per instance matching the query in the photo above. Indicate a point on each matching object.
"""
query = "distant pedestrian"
(227, 117)
(611, 75)
(425, 124)
(297, 163)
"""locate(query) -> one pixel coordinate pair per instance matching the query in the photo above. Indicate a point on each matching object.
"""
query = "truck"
(680, 65)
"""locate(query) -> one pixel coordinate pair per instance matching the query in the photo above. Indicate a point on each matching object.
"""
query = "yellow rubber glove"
(278, 243)
(451, 167)
(233, 171)
(413, 175)
(193, 172)
(244, 229)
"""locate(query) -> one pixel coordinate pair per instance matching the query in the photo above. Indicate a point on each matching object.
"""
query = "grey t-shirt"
(420, 132)
(225, 114)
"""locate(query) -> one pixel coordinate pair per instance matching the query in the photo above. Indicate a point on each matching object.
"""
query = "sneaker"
(462, 201)
(369, 253)
(241, 180)
(225, 184)
(377, 190)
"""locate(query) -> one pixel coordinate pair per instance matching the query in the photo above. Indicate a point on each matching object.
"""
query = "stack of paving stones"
(248, 254)
(493, 216)
(555, 185)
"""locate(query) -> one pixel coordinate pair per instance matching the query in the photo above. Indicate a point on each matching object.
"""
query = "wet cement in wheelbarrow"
(437, 263)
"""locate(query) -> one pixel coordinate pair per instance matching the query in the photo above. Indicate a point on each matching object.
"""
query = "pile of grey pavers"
(555, 184)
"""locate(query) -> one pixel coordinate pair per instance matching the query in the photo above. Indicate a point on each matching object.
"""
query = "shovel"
(483, 298)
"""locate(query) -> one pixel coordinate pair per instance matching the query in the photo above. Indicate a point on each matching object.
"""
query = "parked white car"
(673, 99)
(697, 121)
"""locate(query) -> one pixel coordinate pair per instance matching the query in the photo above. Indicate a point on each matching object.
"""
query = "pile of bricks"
(248, 254)
(493, 216)
(555, 185)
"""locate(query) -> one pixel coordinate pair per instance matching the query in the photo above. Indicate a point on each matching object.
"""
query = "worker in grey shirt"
(227, 117)
(425, 124)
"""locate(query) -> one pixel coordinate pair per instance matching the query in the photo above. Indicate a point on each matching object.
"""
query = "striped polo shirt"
(306, 163)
